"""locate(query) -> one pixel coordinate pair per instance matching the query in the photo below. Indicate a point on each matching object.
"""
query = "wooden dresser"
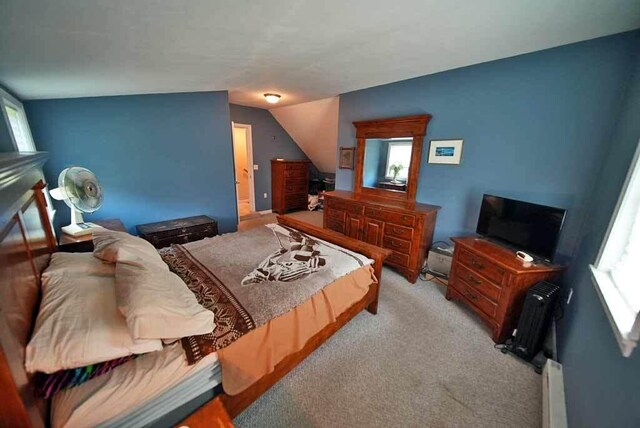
(404, 227)
(489, 279)
(178, 231)
(289, 185)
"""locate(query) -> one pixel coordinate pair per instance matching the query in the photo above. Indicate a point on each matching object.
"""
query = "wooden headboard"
(26, 243)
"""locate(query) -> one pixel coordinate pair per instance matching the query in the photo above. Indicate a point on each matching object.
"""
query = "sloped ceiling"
(314, 127)
(303, 49)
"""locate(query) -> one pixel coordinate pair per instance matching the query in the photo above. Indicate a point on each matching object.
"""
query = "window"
(617, 268)
(16, 121)
(398, 157)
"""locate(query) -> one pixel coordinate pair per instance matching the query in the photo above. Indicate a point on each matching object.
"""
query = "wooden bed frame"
(26, 243)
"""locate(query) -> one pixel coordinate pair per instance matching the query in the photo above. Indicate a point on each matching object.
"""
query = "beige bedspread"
(270, 290)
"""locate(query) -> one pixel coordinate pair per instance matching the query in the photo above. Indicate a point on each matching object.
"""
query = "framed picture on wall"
(347, 157)
(447, 152)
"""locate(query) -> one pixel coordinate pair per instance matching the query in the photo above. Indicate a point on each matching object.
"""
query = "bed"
(26, 245)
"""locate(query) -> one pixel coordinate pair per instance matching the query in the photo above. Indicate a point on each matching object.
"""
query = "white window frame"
(623, 314)
(8, 100)
(403, 142)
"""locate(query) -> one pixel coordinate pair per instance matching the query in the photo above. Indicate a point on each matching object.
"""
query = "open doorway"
(243, 161)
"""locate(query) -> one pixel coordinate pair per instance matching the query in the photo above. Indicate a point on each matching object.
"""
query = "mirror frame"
(408, 126)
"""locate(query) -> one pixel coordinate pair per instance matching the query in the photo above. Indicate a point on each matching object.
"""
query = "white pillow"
(78, 323)
(158, 304)
(112, 246)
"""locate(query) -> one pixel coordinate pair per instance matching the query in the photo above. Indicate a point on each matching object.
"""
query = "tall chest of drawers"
(490, 280)
(405, 228)
(289, 185)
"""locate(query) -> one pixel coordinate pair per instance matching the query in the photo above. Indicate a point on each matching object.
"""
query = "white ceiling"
(304, 49)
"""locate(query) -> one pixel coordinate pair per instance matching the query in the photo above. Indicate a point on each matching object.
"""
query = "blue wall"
(602, 386)
(270, 141)
(535, 127)
(158, 157)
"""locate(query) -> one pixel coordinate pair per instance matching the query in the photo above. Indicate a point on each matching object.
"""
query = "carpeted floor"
(421, 362)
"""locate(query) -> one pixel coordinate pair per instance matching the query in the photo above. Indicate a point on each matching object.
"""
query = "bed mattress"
(137, 393)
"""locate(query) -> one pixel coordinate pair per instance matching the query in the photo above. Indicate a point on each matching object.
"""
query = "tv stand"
(489, 279)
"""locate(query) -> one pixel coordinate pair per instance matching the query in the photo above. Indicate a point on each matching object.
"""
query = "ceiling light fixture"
(272, 98)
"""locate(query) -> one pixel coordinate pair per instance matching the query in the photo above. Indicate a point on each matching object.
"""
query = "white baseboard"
(554, 410)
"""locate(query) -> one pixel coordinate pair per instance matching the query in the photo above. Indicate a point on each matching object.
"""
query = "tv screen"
(525, 226)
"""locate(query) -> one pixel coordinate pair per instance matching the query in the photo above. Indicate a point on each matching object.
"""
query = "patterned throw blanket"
(249, 278)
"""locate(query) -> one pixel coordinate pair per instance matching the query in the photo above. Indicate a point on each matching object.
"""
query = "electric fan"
(81, 191)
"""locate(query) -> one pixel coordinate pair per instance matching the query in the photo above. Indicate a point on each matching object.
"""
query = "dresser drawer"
(295, 181)
(477, 282)
(397, 244)
(295, 166)
(300, 188)
(348, 206)
(475, 298)
(390, 216)
(391, 229)
(295, 173)
(481, 265)
(398, 259)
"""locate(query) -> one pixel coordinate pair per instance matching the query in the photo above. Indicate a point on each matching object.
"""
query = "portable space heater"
(537, 310)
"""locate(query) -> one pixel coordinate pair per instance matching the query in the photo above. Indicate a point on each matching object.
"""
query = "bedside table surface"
(112, 224)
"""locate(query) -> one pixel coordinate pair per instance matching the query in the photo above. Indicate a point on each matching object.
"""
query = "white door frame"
(252, 191)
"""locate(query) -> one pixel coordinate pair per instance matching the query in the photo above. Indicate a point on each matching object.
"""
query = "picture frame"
(347, 157)
(445, 152)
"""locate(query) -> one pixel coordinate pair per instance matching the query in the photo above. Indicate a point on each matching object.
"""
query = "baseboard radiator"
(554, 409)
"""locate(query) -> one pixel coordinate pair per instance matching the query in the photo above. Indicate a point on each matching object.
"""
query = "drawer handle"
(471, 296)
(395, 244)
(476, 264)
(398, 231)
(474, 281)
(407, 217)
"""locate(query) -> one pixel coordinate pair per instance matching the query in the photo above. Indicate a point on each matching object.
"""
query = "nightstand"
(81, 244)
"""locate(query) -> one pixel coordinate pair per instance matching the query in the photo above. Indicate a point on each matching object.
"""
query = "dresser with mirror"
(381, 209)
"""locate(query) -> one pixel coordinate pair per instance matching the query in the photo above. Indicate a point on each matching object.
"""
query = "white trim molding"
(616, 270)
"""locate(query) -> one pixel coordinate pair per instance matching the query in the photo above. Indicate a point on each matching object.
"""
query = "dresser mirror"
(386, 163)
(388, 156)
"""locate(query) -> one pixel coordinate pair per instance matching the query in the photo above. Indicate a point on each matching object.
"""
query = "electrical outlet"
(264, 195)
(255, 167)
(570, 296)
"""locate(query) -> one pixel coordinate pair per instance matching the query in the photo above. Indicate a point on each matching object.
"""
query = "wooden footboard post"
(377, 269)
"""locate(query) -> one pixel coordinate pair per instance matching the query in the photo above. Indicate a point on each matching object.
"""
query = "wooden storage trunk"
(179, 231)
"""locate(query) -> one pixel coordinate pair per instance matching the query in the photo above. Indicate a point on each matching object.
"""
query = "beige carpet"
(421, 362)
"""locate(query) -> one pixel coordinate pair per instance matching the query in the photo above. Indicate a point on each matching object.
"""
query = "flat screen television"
(524, 226)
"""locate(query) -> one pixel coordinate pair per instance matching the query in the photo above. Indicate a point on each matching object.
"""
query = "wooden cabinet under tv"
(404, 227)
(489, 279)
